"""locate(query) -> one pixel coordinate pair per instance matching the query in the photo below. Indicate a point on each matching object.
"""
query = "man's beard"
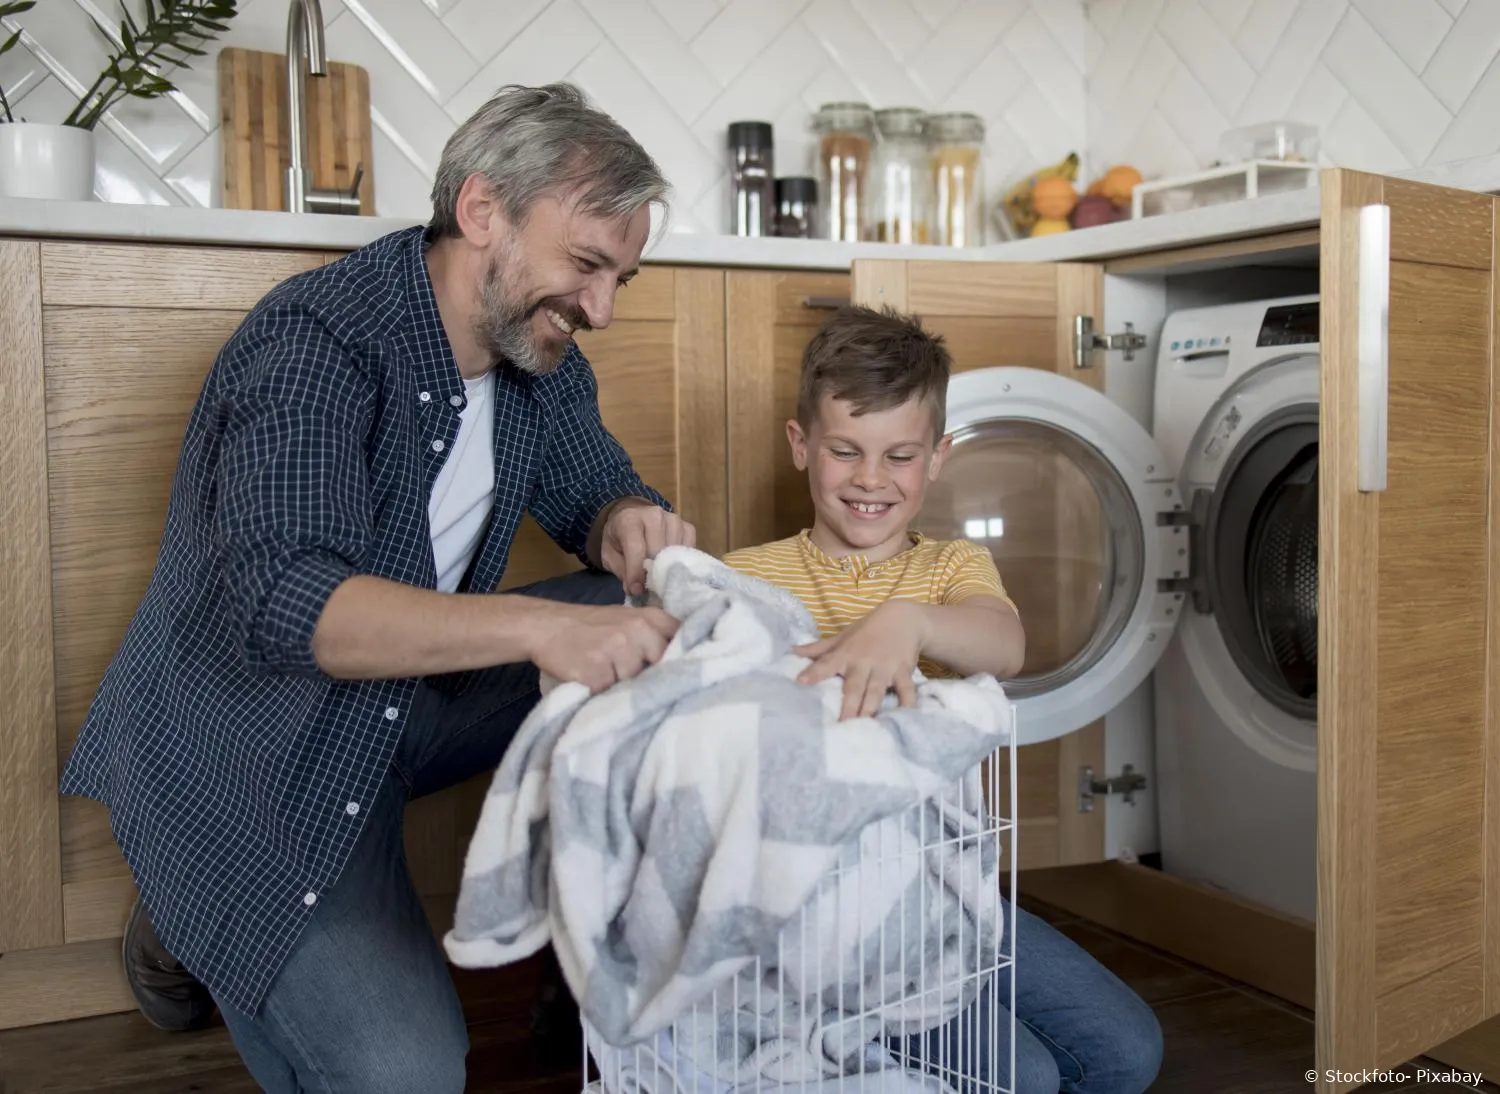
(503, 325)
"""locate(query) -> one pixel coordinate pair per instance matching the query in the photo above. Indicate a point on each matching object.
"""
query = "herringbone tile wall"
(676, 72)
(1391, 84)
(1153, 82)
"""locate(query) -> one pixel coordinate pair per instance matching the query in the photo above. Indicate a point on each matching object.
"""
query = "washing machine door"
(1250, 636)
(1071, 496)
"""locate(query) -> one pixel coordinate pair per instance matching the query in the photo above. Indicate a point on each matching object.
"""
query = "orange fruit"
(1053, 197)
(1117, 184)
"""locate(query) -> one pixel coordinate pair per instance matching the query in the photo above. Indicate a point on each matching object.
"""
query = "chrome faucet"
(304, 35)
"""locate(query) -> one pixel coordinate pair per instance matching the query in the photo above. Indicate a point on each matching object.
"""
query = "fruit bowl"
(1047, 201)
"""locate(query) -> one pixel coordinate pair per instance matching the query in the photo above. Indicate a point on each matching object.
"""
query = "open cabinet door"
(1072, 498)
(1408, 923)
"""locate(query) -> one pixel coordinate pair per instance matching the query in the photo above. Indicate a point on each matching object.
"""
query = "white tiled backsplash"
(1392, 83)
(675, 72)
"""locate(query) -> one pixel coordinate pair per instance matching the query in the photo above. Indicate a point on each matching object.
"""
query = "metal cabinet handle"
(1374, 343)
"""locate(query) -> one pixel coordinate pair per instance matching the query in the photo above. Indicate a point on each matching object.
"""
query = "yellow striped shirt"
(840, 592)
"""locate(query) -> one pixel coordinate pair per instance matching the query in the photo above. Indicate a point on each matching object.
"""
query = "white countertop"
(236, 227)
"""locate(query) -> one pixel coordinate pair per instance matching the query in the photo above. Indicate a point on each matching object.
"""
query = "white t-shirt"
(465, 488)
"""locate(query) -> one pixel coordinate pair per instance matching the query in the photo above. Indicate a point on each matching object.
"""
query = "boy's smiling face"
(868, 473)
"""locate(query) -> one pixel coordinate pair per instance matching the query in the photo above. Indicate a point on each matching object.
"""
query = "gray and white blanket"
(689, 839)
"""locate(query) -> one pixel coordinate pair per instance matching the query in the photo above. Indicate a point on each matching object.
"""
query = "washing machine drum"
(1262, 534)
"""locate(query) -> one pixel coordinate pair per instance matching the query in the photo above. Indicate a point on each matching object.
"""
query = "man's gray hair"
(533, 142)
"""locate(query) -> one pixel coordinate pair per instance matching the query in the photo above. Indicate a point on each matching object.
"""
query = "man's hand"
(637, 531)
(599, 646)
(874, 655)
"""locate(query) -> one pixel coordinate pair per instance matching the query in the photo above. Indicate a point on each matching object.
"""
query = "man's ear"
(479, 215)
(798, 440)
(939, 456)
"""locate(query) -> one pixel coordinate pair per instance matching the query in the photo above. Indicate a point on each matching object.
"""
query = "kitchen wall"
(676, 72)
(1392, 84)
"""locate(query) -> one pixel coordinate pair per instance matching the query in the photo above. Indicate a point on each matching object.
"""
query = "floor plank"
(1220, 1037)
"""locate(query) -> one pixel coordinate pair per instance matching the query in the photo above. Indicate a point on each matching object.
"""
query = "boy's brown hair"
(874, 360)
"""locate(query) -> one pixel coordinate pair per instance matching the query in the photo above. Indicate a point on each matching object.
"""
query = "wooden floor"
(1221, 1038)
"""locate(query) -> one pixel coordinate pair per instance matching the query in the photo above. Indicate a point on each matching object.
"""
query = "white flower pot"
(46, 161)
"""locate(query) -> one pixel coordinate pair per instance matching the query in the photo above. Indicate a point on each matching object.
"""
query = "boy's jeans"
(1079, 1029)
(365, 1002)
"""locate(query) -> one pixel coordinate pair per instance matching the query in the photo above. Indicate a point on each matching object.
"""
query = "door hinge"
(1086, 341)
(1126, 783)
(1188, 560)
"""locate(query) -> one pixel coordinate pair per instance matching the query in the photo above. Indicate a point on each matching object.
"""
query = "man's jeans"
(365, 1004)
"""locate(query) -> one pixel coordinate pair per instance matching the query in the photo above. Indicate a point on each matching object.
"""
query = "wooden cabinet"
(106, 350)
(106, 346)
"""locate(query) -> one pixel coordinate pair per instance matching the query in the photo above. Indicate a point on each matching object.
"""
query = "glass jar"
(847, 136)
(957, 179)
(899, 207)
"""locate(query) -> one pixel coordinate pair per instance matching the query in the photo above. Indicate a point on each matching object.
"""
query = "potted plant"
(56, 160)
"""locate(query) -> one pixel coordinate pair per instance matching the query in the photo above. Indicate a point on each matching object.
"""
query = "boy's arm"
(979, 634)
(968, 624)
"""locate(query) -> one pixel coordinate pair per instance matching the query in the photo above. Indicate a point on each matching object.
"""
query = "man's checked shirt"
(236, 773)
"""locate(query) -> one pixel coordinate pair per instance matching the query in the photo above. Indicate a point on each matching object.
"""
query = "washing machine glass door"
(1069, 494)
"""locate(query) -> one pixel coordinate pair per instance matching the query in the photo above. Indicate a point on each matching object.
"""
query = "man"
(321, 640)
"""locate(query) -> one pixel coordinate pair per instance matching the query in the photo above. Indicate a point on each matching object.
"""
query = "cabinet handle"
(833, 303)
(1374, 342)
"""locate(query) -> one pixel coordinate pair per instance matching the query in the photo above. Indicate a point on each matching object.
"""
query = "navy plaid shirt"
(237, 774)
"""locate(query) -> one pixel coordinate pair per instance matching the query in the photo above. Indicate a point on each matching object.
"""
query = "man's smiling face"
(555, 275)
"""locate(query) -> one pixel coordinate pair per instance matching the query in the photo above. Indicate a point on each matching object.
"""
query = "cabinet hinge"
(1126, 783)
(1086, 341)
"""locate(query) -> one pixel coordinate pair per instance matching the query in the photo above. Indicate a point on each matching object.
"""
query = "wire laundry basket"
(896, 977)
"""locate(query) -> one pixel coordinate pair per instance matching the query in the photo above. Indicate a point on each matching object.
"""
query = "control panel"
(1289, 325)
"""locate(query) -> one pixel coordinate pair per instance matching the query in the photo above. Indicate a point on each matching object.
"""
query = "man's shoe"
(166, 993)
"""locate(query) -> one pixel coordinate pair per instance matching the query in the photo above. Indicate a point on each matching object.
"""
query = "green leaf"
(9, 43)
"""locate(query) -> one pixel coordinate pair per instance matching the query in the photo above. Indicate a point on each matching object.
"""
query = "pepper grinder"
(752, 179)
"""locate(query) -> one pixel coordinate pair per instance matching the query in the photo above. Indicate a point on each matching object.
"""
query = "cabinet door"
(660, 370)
(771, 315)
(1408, 927)
(110, 344)
(1060, 484)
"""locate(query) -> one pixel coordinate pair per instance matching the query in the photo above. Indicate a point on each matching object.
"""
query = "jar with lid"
(752, 179)
(957, 179)
(847, 136)
(899, 206)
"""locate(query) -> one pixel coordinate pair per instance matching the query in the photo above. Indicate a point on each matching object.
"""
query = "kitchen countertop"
(247, 228)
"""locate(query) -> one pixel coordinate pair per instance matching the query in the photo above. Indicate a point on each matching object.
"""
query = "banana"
(1017, 200)
(1067, 168)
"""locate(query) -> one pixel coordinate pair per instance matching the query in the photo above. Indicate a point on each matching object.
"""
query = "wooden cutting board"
(253, 130)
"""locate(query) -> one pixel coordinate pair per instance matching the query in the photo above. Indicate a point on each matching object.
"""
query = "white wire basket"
(897, 977)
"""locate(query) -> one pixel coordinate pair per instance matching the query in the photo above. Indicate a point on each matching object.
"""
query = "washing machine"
(1189, 553)
(1236, 414)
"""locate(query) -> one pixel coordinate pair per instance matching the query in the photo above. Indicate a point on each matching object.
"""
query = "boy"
(870, 433)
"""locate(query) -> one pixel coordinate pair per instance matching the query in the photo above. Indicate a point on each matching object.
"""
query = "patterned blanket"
(663, 833)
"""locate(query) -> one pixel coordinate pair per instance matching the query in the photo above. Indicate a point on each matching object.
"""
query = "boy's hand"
(874, 655)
